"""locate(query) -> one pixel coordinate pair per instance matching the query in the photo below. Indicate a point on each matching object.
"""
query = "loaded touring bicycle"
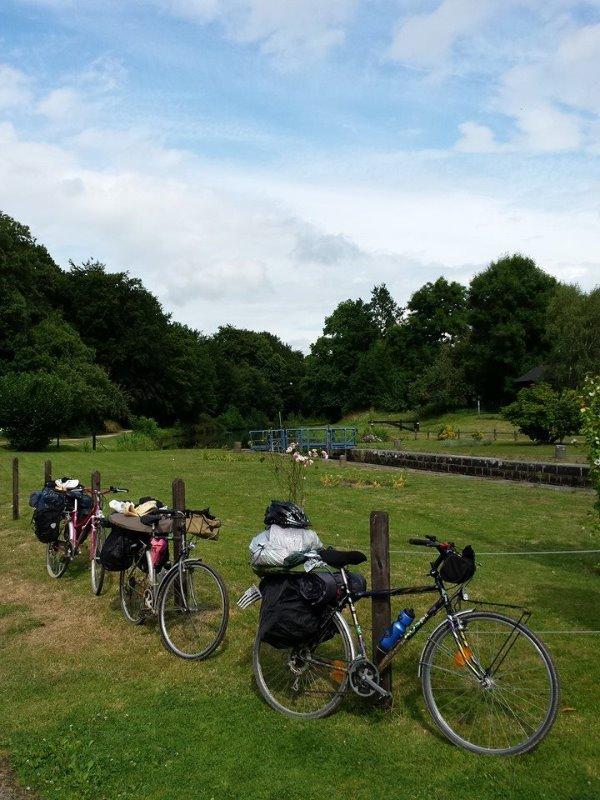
(488, 681)
(65, 515)
(187, 595)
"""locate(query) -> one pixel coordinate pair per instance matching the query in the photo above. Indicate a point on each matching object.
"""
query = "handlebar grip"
(422, 542)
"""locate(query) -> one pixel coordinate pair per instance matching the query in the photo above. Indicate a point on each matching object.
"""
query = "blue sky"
(256, 162)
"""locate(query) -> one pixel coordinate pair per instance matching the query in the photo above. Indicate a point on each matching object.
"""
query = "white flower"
(289, 449)
(324, 454)
(597, 462)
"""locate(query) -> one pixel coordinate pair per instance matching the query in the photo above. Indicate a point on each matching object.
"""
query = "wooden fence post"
(380, 579)
(178, 505)
(495, 435)
(15, 488)
(47, 470)
(95, 480)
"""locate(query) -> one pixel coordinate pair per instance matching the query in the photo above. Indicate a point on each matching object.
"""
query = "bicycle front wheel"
(498, 693)
(305, 682)
(193, 610)
(135, 589)
(97, 572)
(58, 553)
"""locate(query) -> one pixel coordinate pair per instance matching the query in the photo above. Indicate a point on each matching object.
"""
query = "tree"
(442, 386)
(30, 286)
(437, 313)
(507, 305)
(573, 336)
(32, 408)
(337, 374)
(384, 310)
(543, 414)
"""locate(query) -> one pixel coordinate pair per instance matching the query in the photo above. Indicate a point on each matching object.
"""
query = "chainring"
(357, 671)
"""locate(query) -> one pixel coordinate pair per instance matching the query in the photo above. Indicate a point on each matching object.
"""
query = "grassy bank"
(95, 708)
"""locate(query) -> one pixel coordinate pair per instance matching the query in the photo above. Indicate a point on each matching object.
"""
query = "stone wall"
(556, 474)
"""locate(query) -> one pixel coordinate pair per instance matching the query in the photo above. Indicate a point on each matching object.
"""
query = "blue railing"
(276, 440)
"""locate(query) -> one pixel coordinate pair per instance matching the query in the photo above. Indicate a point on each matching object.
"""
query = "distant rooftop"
(534, 375)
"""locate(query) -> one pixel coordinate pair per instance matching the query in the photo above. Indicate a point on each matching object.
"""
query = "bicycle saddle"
(341, 558)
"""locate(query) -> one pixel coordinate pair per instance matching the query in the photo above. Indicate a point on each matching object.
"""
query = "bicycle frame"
(445, 601)
(78, 529)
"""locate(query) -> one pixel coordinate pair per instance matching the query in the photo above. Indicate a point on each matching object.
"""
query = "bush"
(590, 413)
(447, 432)
(145, 425)
(34, 407)
(477, 435)
(135, 441)
(543, 414)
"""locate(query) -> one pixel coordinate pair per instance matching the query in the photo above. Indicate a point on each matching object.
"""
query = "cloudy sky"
(257, 161)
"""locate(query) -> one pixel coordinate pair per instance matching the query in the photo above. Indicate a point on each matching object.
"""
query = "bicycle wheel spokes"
(133, 584)
(97, 573)
(193, 610)
(58, 554)
(307, 681)
(503, 711)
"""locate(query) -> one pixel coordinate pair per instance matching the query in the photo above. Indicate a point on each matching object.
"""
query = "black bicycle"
(488, 681)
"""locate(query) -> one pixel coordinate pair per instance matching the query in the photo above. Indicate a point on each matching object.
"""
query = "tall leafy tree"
(507, 304)
(573, 336)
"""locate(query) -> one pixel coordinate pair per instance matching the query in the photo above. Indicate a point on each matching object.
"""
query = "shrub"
(447, 432)
(543, 414)
(135, 441)
(145, 425)
(34, 407)
(590, 413)
(477, 435)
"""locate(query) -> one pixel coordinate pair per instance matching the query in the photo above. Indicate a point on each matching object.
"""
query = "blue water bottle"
(397, 629)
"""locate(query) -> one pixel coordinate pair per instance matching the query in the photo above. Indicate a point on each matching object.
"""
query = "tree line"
(83, 345)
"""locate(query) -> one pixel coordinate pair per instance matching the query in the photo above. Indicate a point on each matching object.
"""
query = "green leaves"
(543, 414)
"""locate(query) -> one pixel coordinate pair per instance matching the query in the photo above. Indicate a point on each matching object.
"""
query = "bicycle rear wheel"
(58, 553)
(97, 572)
(305, 682)
(134, 586)
(498, 695)
(193, 610)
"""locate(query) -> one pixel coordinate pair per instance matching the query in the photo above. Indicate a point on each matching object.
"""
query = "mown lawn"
(96, 709)
(508, 444)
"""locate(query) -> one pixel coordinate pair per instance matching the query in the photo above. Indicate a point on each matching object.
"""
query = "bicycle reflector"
(337, 671)
(462, 656)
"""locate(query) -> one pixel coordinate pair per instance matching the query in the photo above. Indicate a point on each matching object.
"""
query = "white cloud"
(290, 30)
(15, 91)
(61, 105)
(426, 40)
(476, 138)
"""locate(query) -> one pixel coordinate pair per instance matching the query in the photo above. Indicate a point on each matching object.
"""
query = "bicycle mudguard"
(435, 630)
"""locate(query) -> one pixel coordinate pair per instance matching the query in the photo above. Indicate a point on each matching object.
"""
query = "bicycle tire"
(97, 571)
(263, 652)
(57, 563)
(495, 699)
(178, 622)
(133, 583)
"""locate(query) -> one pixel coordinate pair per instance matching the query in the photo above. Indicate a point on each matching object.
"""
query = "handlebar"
(443, 548)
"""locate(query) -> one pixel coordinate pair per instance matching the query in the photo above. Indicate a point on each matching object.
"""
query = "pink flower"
(324, 454)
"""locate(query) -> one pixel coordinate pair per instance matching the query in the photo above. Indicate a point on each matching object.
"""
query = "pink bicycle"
(82, 519)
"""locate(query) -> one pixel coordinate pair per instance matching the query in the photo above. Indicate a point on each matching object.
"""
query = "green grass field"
(95, 709)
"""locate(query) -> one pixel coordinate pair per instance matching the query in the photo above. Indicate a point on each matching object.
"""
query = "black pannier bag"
(48, 508)
(459, 568)
(295, 607)
(118, 551)
(84, 503)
